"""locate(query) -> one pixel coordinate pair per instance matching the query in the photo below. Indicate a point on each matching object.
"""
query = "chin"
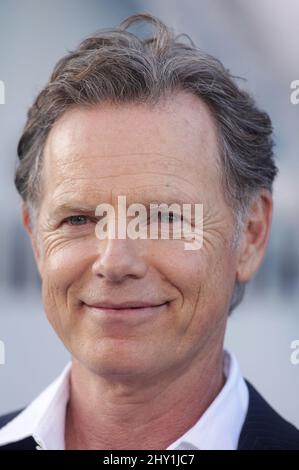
(113, 358)
(113, 369)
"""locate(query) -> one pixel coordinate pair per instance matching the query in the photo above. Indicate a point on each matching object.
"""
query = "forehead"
(163, 150)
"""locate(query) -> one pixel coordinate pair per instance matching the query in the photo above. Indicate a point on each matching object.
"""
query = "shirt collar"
(44, 418)
(218, 428)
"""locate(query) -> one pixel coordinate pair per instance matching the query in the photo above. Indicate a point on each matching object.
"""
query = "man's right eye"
(76, 220)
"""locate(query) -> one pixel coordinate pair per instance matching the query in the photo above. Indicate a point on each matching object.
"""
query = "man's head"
(155, 120)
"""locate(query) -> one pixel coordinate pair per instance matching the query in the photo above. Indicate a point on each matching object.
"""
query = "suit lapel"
(25, 444)
(264, 428)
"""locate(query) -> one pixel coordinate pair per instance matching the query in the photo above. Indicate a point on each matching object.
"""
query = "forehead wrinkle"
(182, 161)
(171, 164)
(165, 193)
(71, 197)
(73, 157)
(146, 194)
(68, 185)
(167, 162)
(76, 173)
(97, 122)
(159, 158)
(115, 155)
(73, 179)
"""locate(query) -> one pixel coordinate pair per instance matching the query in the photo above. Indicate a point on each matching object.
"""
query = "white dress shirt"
(218, 428)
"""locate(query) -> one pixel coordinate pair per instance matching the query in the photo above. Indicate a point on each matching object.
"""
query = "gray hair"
(118, 66)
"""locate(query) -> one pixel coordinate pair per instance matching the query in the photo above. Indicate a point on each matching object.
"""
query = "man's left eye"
(170, 218)
(77, 220)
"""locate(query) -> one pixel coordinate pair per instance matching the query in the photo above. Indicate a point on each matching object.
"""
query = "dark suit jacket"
(263, 429)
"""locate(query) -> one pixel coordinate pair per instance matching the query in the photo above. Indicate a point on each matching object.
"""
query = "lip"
(125, 305)
(142, 311)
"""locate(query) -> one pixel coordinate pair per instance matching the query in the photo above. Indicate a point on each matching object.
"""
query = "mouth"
(126, 309)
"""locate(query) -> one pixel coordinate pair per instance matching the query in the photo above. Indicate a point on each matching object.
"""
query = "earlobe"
(255, 236)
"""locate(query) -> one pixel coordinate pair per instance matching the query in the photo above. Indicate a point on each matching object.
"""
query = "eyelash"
(68, 219)
(169, 214)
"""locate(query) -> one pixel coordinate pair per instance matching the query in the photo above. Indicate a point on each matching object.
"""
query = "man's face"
(167, 153)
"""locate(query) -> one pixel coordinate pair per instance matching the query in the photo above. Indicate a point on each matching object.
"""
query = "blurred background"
(256, 39)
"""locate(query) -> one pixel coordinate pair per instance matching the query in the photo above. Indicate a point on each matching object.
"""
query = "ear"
(255, 236)
(28, 224)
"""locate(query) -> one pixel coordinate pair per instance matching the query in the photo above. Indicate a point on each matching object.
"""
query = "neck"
(139, 414)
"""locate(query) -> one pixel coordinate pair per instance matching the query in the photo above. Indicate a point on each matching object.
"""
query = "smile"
(124, 311)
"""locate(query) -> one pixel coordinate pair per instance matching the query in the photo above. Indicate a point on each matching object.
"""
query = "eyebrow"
(68, 207)
(168, 202)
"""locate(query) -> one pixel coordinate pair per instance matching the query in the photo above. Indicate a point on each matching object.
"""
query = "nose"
(119, 260)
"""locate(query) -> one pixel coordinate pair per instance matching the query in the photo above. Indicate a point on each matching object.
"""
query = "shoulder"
(264, 428)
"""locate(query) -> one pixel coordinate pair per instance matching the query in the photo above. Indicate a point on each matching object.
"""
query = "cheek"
(182, 269)
(63, 271)
(217, 277)
(204, 279)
